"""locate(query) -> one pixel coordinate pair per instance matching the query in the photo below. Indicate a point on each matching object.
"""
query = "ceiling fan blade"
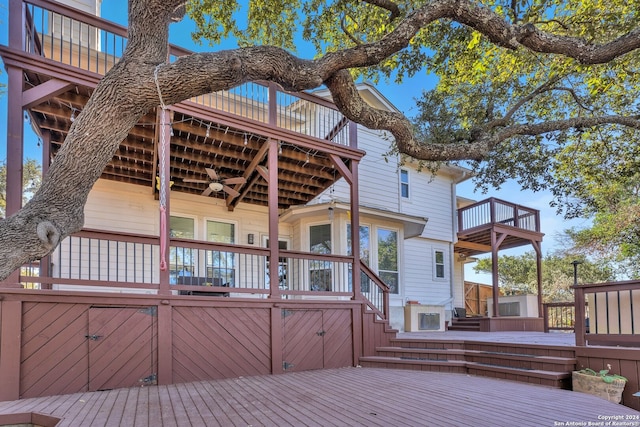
(207, 191)
(212, 174)
(231, 191)
(237, 180)
(199, 181)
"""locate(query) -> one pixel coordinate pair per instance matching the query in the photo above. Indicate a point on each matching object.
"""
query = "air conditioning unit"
(423, 318)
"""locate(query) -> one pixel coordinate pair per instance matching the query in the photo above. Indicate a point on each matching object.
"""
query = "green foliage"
(484, 89)
(31, 179)
(518, 274)
(604, 374)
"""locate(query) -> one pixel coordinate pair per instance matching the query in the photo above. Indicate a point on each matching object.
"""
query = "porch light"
(250, 238)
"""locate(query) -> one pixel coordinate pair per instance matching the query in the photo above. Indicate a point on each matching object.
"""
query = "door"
(316, 339)
(122, 347)
(302, 336)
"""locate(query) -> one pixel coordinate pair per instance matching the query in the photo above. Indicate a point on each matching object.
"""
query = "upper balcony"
(63, 55)
(514, 225)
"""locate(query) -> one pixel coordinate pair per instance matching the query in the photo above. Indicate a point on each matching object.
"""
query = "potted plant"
(599, 383)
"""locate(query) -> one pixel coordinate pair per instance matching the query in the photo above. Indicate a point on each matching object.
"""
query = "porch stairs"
(471, 324)
(529, 363)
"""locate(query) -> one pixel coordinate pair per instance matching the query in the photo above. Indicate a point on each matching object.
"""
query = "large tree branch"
(476, 147)
(394, 10)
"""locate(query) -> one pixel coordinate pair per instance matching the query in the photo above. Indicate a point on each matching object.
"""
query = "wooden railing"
(613, 314)
(71, 37)
(559, 316)
(94, 260)
(375, 291)
(495, 211)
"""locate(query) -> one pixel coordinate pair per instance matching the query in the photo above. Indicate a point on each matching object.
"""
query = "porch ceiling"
(200, 140)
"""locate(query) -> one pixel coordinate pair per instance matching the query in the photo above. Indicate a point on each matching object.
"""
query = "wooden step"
(522, 361)
(455, 366)
(532, 376)
(421, 353)
(512, 360)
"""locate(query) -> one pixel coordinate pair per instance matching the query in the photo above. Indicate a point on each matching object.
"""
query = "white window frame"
(195, 262)
(398, 255)
(320, 266)
(404, 172)
(435, 265)
(205, 260)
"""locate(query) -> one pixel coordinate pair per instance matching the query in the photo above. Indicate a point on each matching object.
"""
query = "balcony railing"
(608, 314)
(94, 260)
(84, 41)
(495, 211)
(559, 316)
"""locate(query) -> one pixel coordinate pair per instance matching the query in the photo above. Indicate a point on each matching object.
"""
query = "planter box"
(594, 385)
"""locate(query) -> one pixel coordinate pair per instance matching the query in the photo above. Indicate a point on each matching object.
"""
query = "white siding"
(431, 198)
(419, 281)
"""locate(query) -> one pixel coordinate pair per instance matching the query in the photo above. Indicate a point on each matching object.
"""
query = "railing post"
(545, 315)
(355, 231)
(274, 247)
(516, 219)
(580, 328)
(492, 210)
(273, 104)
(164, 141)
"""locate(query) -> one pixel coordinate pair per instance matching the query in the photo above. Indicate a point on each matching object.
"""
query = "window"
(320, 271)
(404, 183)
(439, 264)
(181, 260)
(365, 255)
(221, 264)
(388, 258)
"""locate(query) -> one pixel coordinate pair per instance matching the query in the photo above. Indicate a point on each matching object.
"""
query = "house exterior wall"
(430, 197)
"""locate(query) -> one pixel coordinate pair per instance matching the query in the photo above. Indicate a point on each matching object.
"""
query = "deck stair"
(529, 363)
(471, 324)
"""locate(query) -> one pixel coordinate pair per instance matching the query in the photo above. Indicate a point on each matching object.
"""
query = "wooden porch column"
(15, 151)
(164, 143)
(538, 249)
(355, 230)
(15, 123)
(274, 247)
(494, 272)
(45, 262)
(274, 256)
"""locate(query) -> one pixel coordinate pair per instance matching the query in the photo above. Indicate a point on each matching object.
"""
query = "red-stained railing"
(608, 314)
(71, 37)
(559, 316)
(94, 260)
(495, 211)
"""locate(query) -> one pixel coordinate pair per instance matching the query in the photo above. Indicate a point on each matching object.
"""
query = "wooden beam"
(44, 91)
(342, 168)
(473, 246)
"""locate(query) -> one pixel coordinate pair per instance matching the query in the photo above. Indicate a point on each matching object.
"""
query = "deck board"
(331, 397)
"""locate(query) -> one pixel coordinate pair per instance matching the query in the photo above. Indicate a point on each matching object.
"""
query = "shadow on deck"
(333, 397)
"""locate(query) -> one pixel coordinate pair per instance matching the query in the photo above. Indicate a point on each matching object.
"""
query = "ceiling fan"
(217, 184)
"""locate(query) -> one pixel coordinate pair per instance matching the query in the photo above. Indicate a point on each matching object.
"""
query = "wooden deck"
(333, 397)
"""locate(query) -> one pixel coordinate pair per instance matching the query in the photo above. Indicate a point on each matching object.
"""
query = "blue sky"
(402, 96)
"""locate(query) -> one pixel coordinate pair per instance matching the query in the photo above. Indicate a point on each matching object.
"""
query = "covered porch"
(489, 226)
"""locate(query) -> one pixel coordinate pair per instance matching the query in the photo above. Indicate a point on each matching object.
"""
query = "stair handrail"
(377, 305)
